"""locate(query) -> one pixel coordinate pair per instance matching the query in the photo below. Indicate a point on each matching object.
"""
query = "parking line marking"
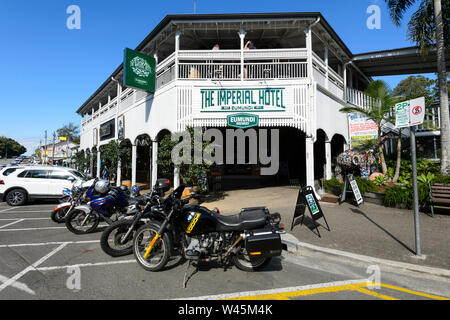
(426, 295)
(31, 229)
(86, 265)
(6, 210)
(375, 294)
(12, 280)
(47, 243)
(282, 291)
(10, 224)
(33, 211)
(25, 219)
(18, 285)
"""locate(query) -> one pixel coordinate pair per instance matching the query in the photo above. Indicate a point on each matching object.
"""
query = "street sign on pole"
(410, 114)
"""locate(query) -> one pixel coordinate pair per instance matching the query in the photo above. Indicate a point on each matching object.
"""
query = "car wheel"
(16, 197)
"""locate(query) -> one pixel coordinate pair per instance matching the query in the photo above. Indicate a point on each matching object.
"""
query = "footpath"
(373, 231)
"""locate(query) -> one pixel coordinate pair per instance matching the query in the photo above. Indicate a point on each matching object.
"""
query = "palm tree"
(379, 110)
(428, 26)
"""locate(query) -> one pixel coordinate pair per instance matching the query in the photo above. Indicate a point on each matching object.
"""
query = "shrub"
(442, 178)
(366, 185)
(404, 195)
(332, 184)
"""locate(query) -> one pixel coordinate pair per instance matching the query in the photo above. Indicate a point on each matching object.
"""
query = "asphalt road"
(43, 260)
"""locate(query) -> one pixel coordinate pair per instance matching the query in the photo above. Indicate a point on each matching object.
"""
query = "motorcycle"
(248, 239)
(117, 239)
(77, 196)
(109, 207)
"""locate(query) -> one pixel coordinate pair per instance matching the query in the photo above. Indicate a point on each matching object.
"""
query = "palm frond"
(422, 29)
(397, 9)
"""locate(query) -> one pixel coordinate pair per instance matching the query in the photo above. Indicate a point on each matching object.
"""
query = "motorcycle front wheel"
(79, 222)
(243, 261)
(160, 254)
(113, 242)
(58, 215)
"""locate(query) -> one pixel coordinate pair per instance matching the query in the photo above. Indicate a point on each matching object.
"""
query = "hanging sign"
(242, 120)
(139, 70)
(409, 113)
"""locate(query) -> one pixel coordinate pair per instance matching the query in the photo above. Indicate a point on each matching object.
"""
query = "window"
(78, 174)
(7, 172)
(60, 175)
(37, 174)
(23, 174)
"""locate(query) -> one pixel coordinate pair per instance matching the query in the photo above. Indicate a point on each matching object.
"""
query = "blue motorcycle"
(110, 207)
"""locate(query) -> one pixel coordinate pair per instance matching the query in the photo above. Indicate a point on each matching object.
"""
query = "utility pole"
(45, 148)
(53, 152)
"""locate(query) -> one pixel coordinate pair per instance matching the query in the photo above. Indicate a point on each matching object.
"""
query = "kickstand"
(186, 278)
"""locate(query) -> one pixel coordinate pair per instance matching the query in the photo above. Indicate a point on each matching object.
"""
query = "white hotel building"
(298, 53)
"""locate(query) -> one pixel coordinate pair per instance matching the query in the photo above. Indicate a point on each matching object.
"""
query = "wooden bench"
(439, 196)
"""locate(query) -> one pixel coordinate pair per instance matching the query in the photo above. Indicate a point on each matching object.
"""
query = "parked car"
(19, 184)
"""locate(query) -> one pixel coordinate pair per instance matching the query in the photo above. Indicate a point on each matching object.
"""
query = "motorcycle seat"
(247, 219)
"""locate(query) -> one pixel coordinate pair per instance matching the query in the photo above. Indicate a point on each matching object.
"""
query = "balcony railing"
(251, 71)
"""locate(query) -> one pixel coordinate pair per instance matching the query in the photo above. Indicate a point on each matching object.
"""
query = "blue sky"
(48, 71)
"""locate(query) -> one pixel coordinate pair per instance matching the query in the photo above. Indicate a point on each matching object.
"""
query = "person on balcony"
(248, 46)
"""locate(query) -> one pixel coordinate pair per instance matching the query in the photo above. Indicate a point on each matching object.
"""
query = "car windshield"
(78, 174)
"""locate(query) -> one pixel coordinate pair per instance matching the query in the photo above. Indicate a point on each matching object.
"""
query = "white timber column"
(345, 80)
(150, 165)
(99, 162)
(91, 165)
(309, 52)
(176, 177)
(154, 162)
(155, 56)
(242, 34)
(119, 173)
(310, 162)
(177, 48)
(133, 164)
(328, 172)
(326, 63)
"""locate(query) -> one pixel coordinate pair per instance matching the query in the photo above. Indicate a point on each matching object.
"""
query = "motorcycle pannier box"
(263, 242)
(162, 185)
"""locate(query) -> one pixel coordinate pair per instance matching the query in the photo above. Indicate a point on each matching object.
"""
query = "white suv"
(18, 184)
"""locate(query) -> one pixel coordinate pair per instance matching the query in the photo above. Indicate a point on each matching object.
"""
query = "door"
(58, 180)
(35, 182)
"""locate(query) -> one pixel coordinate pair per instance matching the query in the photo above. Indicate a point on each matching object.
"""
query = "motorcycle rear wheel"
(243, 261)
(112, 237)
(76, 217)
(160, 254)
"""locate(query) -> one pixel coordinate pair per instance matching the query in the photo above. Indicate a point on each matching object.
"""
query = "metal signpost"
(410, 114)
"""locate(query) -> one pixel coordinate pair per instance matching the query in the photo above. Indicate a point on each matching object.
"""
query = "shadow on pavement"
(383, 229)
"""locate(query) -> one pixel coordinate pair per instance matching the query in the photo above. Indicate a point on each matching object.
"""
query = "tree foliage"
(379, 110)
(11, 147)
(71, 131)
(190, 172)
(421, 28)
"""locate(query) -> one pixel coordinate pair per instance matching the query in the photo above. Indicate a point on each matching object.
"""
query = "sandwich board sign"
(409, 113)
(307, 198)
(349, 179)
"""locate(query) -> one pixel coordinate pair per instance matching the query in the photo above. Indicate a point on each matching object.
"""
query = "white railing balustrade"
(252, 71)
(203, 71)
(359, 98)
